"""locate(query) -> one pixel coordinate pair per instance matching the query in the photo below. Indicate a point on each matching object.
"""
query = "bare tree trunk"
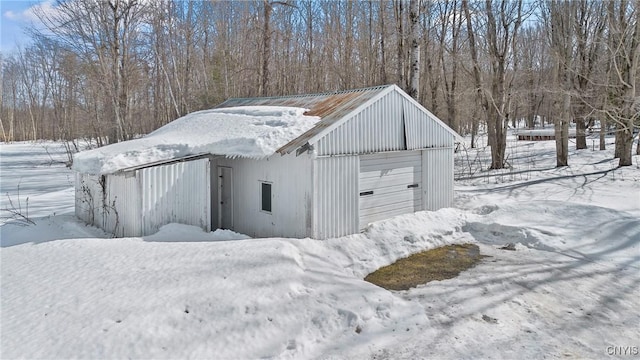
(603, 133)
(501, 34)
(450, 81)
(414, 70)
(399, 12)
(624, 49)
(561, 23)
(480, 98)
(562, 131)
(581, 133)
(589, 24)
(383, 58)
(474, 127)
(120, 93)
(266, 49)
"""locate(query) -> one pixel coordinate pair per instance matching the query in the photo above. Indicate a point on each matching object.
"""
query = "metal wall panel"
(291, 195)
(335, 196)
(423, 130)
(110, 202)
(437, 170)
(177, 192)
(121, 210)
(391, 123)
(376, 128)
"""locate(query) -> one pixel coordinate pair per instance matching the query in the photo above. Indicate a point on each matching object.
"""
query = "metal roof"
(330, 107)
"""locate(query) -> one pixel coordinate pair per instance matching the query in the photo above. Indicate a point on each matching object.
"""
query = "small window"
(265, 190)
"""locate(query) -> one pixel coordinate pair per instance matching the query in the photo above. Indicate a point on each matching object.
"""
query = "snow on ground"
(571, 289)
(592, 177)
(247, 131)
(36, 171)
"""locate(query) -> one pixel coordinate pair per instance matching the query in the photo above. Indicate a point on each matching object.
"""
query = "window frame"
(262, 198)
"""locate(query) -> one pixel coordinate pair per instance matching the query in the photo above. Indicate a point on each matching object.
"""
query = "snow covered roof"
(247, 131)
(330, 107)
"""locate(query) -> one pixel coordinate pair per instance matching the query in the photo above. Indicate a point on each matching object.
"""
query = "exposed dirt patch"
(437, 264)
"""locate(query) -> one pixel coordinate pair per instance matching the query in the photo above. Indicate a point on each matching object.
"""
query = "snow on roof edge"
(252, 132)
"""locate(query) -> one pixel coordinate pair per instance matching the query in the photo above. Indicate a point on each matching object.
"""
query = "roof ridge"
(335, 92)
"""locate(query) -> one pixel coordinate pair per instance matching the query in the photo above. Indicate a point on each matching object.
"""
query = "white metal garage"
(371, 154)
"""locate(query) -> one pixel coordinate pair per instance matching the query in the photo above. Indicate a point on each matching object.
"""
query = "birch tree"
(414, 31)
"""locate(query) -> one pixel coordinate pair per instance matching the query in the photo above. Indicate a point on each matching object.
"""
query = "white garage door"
(390, 185)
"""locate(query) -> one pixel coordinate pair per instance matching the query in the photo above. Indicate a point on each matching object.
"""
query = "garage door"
(390, 185)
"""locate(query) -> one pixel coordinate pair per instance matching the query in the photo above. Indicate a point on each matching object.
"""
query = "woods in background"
(114, 69)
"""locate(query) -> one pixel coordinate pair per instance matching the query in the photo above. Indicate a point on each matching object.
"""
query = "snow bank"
(186, 233)
(248, 131)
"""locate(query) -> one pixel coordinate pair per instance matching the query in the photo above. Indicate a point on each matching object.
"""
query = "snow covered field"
(571, 289)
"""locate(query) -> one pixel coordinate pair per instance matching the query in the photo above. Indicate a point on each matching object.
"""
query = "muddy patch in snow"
(436, 264)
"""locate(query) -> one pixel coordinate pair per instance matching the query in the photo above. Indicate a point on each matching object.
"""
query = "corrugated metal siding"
(110, 202)
(178, 192)
(423, 130)
(374, 129)
(335, 196)
(437, 170)
(390, 185)
(121, 213)
(391, 123)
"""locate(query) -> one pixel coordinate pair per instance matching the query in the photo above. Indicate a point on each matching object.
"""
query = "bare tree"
(105, 34)
(452, 21)
(561, 22)
(589, 23)
(622, 106)
(399, 14)
(534, 52)
(9, 102)
(503, 20)
(266, 43)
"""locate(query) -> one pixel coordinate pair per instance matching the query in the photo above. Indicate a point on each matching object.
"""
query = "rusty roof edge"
(306, 137)
(294, 144)
(378, 87)
(298, 142)
(385, 90)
